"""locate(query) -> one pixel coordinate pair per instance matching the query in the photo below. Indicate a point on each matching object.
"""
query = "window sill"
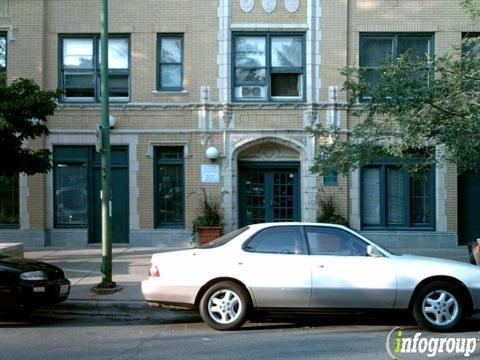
(9, 227)
(172, 92)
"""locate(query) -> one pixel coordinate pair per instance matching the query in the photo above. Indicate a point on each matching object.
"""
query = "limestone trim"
(152, 144)
(268, 27)
(224, 14)
(89, 140)
(24, 193)
(313, 56)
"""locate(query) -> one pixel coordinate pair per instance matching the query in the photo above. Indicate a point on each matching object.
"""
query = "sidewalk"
(130, 267)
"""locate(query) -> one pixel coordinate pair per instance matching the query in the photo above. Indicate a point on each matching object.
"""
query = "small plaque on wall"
(330, 178)
(210, 173)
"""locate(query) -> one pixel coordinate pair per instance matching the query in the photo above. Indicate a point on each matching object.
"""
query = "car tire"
(439, 306)
(225, 306)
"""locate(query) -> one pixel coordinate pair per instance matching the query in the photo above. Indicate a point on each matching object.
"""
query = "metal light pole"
(106, 269)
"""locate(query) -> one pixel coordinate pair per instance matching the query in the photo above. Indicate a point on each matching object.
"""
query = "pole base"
(106, 288)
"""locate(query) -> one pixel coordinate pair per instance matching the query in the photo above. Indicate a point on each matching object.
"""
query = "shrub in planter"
(208, 224)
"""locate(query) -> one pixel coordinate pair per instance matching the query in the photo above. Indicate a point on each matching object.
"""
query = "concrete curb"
(100, 307)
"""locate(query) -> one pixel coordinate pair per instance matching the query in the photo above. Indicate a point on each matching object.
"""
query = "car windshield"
(222, 240)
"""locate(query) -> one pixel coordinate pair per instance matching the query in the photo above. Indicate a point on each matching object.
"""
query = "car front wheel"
(439, 306)
(224, 306)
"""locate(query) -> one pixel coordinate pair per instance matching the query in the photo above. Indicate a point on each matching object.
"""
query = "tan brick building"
(243, 76)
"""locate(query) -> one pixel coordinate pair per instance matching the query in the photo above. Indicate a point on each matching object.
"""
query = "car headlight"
(33, 275)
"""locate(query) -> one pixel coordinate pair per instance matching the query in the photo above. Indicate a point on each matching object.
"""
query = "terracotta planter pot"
(207, 234)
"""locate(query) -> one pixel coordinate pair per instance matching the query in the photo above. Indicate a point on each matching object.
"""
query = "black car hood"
(23, 265)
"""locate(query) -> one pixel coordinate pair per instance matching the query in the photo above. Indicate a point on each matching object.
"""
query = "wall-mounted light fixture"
(112, 121)
(212, 153)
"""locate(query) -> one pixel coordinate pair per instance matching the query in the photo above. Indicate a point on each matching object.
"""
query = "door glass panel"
(170, 193)
(395, 196)
(278, 240)
(283, 202)
(71, 194)
(255, 197)
(330, 241)
(371, 196)
(419, 199)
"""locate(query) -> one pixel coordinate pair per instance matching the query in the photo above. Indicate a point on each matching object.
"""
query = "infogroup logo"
(397, 344)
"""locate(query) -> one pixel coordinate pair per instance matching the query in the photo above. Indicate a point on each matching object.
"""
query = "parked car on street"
(27, 284)
(302, 266)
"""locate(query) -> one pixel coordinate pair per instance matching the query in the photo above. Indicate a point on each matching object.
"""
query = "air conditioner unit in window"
(252, 92)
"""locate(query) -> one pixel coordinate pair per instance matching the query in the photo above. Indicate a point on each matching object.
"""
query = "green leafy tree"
(24, 109)
(419, 106)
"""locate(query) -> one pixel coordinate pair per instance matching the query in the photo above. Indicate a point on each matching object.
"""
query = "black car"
(27, 284)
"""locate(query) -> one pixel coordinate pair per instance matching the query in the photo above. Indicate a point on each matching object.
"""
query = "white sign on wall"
(210, 173)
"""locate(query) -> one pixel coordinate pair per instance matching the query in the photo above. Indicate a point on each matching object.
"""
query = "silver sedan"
(302, 266)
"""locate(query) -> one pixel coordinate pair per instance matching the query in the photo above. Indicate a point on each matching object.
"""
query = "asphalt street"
(165, 334)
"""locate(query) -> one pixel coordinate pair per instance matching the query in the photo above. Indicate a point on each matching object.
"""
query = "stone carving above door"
(269, 152)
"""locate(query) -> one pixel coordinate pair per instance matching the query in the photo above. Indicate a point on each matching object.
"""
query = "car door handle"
(320, 266)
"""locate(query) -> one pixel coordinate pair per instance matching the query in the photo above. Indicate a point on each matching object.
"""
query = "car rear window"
(222, 240)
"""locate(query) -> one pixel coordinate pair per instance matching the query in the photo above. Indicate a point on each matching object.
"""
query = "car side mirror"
(373, 251)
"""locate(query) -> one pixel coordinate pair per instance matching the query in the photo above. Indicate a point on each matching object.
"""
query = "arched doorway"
(268, 184)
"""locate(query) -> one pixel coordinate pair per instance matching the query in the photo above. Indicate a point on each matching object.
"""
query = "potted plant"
(208, 224)
(328, 212)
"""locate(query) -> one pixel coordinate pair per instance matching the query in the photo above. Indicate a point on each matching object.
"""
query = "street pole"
(106, 269)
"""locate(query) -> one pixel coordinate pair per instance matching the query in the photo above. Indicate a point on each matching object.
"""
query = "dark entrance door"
(468, 207)
(120, 201)
(268, 192)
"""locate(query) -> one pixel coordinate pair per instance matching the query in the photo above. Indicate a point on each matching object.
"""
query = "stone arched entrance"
(266, 178)
(268, 184)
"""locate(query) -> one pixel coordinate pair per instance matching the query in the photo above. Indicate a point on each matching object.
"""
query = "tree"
(418, 107)
(24, 109)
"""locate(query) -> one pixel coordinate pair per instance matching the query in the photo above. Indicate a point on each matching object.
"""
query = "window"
(71, 197)
(268, 67)
(278, 240)
(391, 198)
(471, 44)
(331, 241)
(80, 67)
(377, 49)
(3, 59)
(169, 187)
(9, 198)
(170, 62)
